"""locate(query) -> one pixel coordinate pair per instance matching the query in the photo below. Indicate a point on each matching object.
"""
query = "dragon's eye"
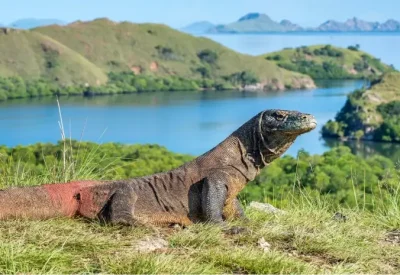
(279, 116)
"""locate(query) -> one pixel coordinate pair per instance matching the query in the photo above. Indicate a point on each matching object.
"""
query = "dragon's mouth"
(305, 128)
(313, 124)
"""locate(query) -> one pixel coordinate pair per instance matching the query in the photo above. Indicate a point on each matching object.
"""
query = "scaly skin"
(204, 189)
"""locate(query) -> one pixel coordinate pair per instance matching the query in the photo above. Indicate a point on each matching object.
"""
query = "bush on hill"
(208, 56)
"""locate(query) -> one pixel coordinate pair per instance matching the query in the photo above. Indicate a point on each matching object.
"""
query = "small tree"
(354, 48)
(208, 56)
(204, 71)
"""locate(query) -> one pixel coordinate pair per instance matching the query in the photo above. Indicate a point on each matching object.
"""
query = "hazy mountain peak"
(198, 27)
(289, 26)
(253, 16)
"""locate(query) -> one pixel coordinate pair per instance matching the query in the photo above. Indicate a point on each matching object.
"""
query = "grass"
(26, 54)
(388, 89)
(86, 51)
(304, 240)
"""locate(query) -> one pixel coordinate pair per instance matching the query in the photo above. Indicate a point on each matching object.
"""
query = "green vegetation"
(122, 82)
(328, 62)
(69, 59)
(306, 239)
(372, 114)
(354, 48)
(389, 130)
(40, 163)
(338, 176)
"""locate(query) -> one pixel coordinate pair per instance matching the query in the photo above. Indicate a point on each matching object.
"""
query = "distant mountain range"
(259, 23)
(250, 23)
(30, 23)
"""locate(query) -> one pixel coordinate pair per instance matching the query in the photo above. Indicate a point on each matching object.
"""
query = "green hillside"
(372, 114)
(32, 55)
(159, 50)
(85, 53)
(328, 62)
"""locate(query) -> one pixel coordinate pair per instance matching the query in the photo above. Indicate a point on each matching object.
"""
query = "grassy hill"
(32, 55)
(84, 53)
(372, 114)
(157, 49)
(328, 62)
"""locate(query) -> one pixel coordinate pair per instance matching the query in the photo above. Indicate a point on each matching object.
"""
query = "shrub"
(204, 72)
(167, 53)
(276, 57)
(208, 56)
(354, 48)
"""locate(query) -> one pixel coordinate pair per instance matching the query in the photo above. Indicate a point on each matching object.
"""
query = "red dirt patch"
(136, 69)
(154, 66)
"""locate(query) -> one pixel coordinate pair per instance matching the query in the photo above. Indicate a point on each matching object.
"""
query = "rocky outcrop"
(303, 83)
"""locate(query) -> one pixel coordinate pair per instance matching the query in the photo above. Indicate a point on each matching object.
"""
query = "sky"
(178, 13)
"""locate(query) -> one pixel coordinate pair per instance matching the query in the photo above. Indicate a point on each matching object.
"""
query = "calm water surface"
(186, 122)
(194, 122)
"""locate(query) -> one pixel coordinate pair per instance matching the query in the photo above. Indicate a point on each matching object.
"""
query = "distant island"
(330, 62)
(106, 57)
(262, 23)
(198, 27)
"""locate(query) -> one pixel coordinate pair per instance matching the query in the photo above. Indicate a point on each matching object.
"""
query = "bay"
(185, 122)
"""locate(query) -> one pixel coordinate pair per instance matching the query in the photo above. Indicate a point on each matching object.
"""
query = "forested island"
(329, 62)
(370, 114)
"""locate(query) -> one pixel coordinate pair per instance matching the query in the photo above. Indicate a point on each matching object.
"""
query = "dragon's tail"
(40, 202)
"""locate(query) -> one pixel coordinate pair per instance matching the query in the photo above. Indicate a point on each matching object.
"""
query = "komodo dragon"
(203, 189)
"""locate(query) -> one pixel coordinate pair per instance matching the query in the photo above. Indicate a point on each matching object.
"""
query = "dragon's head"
(275, 130)
(286, 123)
